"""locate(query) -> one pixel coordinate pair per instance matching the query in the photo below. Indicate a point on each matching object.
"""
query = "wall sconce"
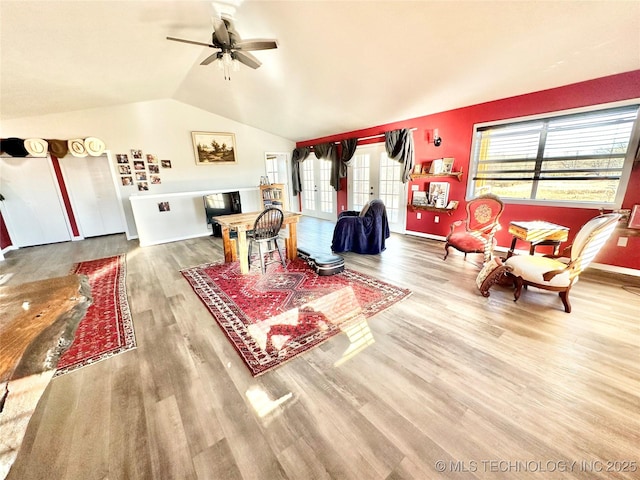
(432, 136)
(437, 141)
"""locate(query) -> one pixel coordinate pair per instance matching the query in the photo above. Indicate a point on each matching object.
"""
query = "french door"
(318, 196)
(372, 174)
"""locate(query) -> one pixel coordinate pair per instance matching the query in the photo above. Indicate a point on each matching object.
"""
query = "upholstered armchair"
(475, 234)
(362, 232)
(560, 274)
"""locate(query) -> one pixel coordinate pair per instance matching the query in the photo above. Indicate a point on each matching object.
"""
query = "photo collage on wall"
(145, 171)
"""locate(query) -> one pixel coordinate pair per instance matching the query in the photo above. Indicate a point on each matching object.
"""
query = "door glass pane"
(308, 185)
(271, 164)
(390, 186)
(326, 190)
(361, 181)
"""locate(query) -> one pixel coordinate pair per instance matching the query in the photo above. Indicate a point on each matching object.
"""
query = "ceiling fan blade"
(255, 44)
(211, 58)
(246, 58)
(220, 31)
(191, 42)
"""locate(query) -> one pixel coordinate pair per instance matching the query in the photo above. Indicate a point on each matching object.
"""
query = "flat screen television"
(220, 204)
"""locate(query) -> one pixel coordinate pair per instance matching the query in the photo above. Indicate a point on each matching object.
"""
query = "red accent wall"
(5, 240)
(455, 127)
(65, 196)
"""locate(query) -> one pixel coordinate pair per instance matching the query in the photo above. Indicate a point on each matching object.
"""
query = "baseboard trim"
(598, 266)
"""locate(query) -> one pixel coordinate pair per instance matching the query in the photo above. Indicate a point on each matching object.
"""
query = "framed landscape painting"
(214, 148)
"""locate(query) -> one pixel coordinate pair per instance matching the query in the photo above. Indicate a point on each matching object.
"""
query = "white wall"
(162, 128)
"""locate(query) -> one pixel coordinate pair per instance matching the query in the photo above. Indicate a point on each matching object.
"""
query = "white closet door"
(93, 195)
(32, 208)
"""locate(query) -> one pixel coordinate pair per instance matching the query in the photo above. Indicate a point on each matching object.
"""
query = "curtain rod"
(381, 135)
(367, 138)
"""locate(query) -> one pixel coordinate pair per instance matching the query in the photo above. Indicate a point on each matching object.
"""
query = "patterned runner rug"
(274, 317)
(106, 329)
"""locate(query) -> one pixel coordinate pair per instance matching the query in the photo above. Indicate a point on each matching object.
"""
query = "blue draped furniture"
(362, 232)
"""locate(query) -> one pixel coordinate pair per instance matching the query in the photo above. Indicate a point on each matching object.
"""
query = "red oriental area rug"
(272, 318)
(107, 328)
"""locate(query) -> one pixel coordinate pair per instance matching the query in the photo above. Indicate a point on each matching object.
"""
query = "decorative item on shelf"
(419, 199)
(94, 146)
(452, 205)
(264, 180)
(438, 194)
(77, 148)
(634, 219)
(36, 147)
(447, 165)
(436, 166)
(417, 169)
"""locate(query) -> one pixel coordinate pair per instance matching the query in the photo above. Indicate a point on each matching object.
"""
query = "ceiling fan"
(231, 49)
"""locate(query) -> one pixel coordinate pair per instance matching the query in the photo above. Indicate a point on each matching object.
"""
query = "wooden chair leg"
(564, 296)
(262, 264)
(446, 251)
(518, 290)
(281, 253)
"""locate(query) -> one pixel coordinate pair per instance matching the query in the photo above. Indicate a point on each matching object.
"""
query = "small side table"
(537, 233)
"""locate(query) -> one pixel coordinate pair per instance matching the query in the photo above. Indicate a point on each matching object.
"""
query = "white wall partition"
(181, 216)
(162, 128)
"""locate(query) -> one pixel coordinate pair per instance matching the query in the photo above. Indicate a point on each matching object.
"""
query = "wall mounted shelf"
(457, 175)
(448, 211)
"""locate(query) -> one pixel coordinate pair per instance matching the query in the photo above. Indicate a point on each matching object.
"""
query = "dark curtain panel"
(348, 149)
(297, 157)
(330, 152)
(399, 146)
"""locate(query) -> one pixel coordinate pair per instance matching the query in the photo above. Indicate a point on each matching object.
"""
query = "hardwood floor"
(452, 385)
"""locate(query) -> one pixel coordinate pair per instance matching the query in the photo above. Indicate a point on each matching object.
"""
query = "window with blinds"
(580, 158)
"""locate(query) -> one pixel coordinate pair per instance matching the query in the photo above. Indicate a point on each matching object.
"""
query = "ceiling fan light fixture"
(228, 63)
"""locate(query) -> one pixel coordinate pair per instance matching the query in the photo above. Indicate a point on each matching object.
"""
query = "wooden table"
(537, 233)
(240, 223)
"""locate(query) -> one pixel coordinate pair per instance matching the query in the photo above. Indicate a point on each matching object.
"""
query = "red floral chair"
(476, 233)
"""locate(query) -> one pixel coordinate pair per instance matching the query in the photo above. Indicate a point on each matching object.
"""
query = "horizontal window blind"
(524, 159)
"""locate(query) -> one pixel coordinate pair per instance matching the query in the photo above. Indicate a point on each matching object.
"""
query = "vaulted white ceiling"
(340, 65)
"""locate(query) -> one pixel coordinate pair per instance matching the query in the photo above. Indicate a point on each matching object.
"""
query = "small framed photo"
(439, 194)
(127, 181)
(214, 148)
(122, 158)
(165, 163)
(143, 186)
(452, 205)
(141, 176)
(419, 198)
(124, 169)
(155, 180)
(634, 218)
(164, 207)
(136, 153)
(154, 168)
(151, 158)
(417, 169)
(138, 165)
(436, 166)
(447, 165)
